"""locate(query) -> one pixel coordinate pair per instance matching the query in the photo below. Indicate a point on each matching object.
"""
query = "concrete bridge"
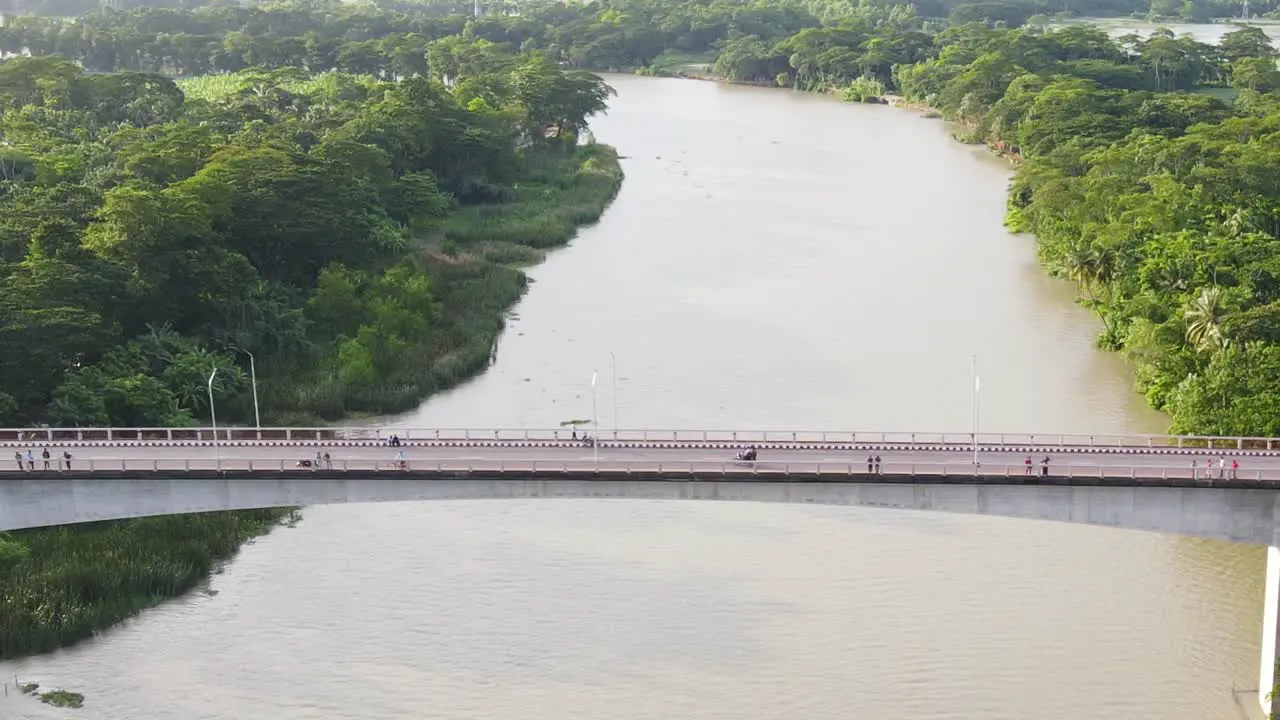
(1154, 483)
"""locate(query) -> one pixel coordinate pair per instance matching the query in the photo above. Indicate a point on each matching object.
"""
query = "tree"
(1204, 320)
(747, 58)
(557, 103)
(1258, 74)
(1237, 394)
(1246, 42)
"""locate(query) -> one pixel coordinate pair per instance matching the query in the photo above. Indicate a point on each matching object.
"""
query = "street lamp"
(595, 421)
(977, 388)
(213, 418)
(613, 370)
(253, 378)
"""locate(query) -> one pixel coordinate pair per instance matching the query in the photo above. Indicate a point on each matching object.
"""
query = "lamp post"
(213, 419)
(613, 370)
(253, 380)
(595, 421)
(977, 389)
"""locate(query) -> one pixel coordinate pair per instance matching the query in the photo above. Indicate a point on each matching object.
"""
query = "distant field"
(212, 87)
(674, 61)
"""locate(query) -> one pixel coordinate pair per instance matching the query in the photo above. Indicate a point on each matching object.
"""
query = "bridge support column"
(1270, 630)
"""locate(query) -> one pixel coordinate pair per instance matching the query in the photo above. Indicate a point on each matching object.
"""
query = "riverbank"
(471, 259)
(999, 149)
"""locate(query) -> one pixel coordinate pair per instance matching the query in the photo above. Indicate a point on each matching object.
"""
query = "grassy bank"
(472, 259)
(62, 585)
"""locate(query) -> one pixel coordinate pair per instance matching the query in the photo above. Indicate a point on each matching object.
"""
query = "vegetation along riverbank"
(345, 191)
(1142, 173)
(354, 234)
(61, 585)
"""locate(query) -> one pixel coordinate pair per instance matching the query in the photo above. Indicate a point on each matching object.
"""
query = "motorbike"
(747, 455)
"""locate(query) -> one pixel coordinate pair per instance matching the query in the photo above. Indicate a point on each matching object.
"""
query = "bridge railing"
(461, 436)
(674, 469)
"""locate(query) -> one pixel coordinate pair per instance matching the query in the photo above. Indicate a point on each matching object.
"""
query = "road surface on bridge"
(578, 457)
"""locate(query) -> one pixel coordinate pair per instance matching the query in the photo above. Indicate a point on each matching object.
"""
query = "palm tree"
(1204, 321)
(1077, 265)
(1091, 269)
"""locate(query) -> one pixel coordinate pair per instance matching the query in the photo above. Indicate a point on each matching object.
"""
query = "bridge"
(1171, 484)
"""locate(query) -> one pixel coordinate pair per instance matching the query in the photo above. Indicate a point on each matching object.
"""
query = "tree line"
(149, 235)
(392, 38)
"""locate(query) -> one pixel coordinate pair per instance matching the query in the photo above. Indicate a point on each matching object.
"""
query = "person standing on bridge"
(66, 460)
(31, 461)
(17, 455)
(871, 464)
(1044, 467)
(45, 455)
(1235, 469)
(1027, 464)
(877, 464)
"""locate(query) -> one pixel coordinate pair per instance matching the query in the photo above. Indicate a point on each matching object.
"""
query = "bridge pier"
(1270, 630)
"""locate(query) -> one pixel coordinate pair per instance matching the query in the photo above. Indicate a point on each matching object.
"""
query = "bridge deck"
(797, 474)
(555, 457)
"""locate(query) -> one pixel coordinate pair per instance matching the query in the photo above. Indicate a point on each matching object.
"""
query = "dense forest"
(1187, 10)
(316, 192)
(350, 233)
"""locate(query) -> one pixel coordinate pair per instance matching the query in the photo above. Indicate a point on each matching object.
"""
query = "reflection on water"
(774, 260)
(655, 610)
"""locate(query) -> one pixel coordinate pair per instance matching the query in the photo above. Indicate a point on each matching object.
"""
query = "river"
(1210, 33)
(774, 260)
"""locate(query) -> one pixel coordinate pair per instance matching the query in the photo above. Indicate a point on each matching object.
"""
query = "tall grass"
(73, 581)
(557, 193)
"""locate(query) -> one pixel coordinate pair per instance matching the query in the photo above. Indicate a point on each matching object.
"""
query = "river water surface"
(774, 260)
